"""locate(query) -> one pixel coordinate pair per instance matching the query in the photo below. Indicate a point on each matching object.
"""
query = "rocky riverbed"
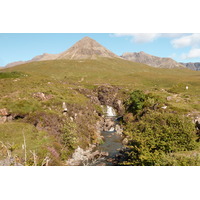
(108, 152)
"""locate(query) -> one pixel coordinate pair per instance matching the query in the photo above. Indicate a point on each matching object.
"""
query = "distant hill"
(85, 48)
(193, 66)
(154, 61)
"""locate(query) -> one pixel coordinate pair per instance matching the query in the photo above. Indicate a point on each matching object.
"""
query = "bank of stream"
(112, 141)
(108, 152)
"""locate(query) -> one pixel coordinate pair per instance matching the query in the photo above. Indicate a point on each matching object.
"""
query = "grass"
(11, 134)
(62, 78)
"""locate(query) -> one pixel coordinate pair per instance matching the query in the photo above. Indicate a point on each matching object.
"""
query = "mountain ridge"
(154, 61)
(192, 65)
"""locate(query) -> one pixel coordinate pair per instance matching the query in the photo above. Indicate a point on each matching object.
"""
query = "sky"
(24, 46)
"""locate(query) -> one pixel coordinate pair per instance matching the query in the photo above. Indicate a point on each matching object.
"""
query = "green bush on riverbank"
(156, 136)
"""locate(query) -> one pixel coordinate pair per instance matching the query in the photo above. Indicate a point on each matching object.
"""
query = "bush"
(138, 101)
(157, 135)
(69, 136)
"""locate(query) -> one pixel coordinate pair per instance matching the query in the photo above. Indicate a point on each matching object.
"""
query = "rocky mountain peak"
(86, 48)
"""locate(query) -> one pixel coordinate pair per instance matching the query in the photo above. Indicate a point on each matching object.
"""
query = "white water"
(111, 129)
(110, 111)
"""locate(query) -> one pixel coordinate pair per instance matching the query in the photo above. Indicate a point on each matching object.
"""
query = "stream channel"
(112, 142)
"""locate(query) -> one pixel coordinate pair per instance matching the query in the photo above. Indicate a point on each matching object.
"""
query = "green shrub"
(10, 75)
(69, 136)
(138, 101)
(157, 135)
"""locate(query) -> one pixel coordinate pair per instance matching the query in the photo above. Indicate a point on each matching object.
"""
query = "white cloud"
(147, 37)
(193, 53)
(188, 40)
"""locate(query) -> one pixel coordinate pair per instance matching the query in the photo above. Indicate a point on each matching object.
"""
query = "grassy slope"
(59, 78)
(114, 71)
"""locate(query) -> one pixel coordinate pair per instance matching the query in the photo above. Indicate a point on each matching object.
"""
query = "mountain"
(85, 48)
(151, 60)
(15, 63)
(192, 66)
(45, 56)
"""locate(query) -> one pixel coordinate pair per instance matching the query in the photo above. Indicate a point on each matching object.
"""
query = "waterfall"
(110, 111)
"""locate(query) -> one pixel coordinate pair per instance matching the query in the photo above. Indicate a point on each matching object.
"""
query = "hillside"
(58, 107)
(106, 70)
(151, 60)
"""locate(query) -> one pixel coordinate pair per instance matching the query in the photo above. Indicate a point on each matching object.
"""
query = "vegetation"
(53, 136)
(156, 135)
(14, 74)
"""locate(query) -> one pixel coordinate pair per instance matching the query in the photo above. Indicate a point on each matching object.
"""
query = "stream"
(112, 142)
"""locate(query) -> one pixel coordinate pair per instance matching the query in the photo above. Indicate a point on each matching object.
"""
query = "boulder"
(4, 112)
(118, 129)
(118, 105)
(3, 119)
(108, 124)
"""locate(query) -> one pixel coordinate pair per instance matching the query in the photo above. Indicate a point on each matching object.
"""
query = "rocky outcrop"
(5, 116)
(41, 96)
(154, 61)
(84, 157)
(105, 95)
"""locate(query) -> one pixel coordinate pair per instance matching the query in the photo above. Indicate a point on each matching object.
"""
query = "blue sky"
(181, 47)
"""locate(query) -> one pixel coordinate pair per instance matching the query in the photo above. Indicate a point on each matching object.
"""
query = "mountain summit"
(86, 48)
(154, 61)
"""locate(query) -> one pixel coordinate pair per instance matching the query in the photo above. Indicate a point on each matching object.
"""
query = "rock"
(164, 107)
(125, 141)
(4, 112)
(64, 107)
(42, 96)
(118, 129)
(169, 98)
(83, 157)
(107, 94)
(118, 105)
(9, 162)
(9, 118)
(3, 119)
(108, 124)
